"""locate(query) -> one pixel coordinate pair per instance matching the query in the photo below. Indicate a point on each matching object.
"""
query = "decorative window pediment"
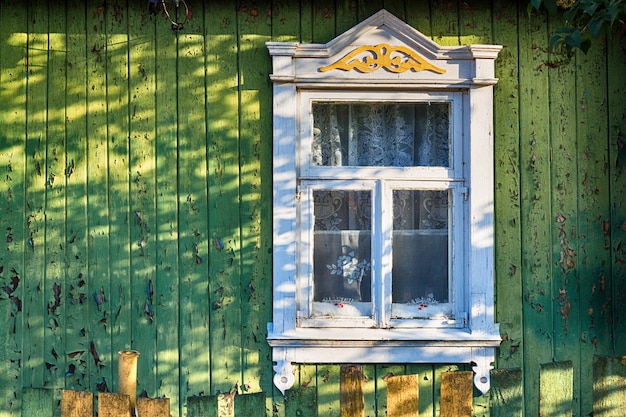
(383, 201)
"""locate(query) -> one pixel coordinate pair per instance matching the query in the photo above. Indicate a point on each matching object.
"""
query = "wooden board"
(351, 391)
(250, 405)
(37, 402)
(164, 297)
(507, 393)
(118, 318)
(535, 198)
(78, 298)
(188, 125)
(403, 396)
(12, 184)
(556, 388)
(256, 195)
(202, 406)
(594, 212)
(456, 394)
(142, 194)
(77, 403)
(224, 225)
(508, 262)
(153, 407)
(35, 190)
(113, 405)
(609, 386)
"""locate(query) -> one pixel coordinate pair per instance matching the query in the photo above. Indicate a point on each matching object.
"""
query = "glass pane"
(342, 253)
(420, 286)
(381, 134)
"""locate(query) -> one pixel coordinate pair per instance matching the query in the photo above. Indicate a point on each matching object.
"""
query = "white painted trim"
(469, 76)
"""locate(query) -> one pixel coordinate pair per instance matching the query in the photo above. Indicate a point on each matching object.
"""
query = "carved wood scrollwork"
(369, 58)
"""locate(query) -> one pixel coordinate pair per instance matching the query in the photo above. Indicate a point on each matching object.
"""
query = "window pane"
(420, 286)
(381, 134)
(342, 253)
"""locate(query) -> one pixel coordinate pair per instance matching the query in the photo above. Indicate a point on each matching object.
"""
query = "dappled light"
(136, 203)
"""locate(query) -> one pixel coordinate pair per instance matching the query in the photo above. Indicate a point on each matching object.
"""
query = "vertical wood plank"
(35, 188)
(142, 189)
(118, 131)
(202, 406)
(418, 16)
(565, 220)
(369, 389)
(609, 386)
(506, 393)
(616, 88)
(328, 383)
(556, 389)
(77, 403)
(301, 401)
(98, 289)
(383, 373)
(425, 388)
(286, 22)
(437, 381)
(365, 9)
(113, 405)
(348, 13)
(301, 398)
(165, 298)
(37, 402)
(508, 263)
(153, 407)
(403, 396)
(13, 239)
(456, 394)
(77, 375)
(255, 96)
(399, 9)
(475, 23)
(323, 21)
(535, 195)
(594, 214)
(351, 391)
(250, 405)
(223, 191)
(193, 205)
(444, 17)
(55, 284)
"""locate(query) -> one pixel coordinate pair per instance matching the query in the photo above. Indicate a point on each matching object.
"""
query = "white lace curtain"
(380, 134)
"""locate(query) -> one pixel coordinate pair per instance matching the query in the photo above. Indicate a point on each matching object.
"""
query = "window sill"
(383, 346)
(367, 337)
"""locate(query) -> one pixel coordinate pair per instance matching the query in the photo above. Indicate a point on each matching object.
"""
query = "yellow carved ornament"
(396, 59)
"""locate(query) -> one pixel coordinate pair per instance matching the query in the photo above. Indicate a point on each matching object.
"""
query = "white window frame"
(465, 77)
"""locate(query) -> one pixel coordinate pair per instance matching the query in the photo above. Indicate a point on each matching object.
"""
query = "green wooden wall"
(135, 197)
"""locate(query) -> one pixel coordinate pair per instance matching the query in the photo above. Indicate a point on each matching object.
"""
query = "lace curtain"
(379, 134)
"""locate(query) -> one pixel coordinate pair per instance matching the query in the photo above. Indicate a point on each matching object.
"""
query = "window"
(383, 201)
(381, 186)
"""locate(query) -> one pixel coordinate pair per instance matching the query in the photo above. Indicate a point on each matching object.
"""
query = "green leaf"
(595, 27)
(550, 5)
(555, 41)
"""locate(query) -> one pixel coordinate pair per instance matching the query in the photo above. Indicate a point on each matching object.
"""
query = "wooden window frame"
(303, 73)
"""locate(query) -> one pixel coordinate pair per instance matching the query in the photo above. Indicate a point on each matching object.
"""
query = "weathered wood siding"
(136, 186)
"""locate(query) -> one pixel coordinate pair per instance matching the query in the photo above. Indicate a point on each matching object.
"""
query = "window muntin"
(407, 151)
